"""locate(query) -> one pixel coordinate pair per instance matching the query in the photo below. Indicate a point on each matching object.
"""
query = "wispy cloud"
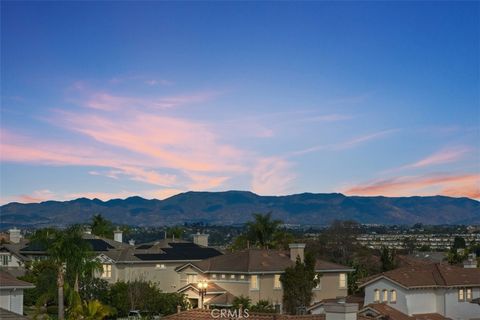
(272, 175)
(456, 185)
(443, 156)
(151, 81)
(351, 143)
(109, 102)
(334, 117)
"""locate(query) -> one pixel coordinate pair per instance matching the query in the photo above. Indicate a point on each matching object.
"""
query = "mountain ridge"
(234, 206)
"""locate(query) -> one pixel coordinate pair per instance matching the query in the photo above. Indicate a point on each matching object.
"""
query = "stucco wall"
(422, 301)
(382, 284)
(12, 300)
(13, 261)
(461, 310)
(167, 279)
(329, 287)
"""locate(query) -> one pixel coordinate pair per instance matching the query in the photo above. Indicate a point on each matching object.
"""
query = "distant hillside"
(236, 207)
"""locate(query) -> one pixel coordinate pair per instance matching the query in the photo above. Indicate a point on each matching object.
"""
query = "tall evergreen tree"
(101, 227)
(298, 282)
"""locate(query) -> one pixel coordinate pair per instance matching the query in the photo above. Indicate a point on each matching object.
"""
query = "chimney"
(297, 250)
(200, 239)
(118, 235)
(14, 235)
(471, 261)
(340, 311)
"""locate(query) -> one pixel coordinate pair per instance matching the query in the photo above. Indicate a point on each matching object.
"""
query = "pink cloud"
(460, 185)
(36, 197)
(443, 156)
(108, 102)
(272, 176)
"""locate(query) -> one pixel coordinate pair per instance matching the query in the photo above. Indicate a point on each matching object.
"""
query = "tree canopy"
(298, 282)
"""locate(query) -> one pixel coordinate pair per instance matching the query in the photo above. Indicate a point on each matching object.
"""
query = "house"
(11, 293)
(155, 262)
(384, 311)
(435, 288)
(255, 273)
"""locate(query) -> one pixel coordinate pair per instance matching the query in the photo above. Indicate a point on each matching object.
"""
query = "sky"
(115, 99)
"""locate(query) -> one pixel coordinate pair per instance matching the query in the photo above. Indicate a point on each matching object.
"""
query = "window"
(5, 259)
(276, 282)
(461, 295)
(342, 280)
(191, 278)
(223, 276)
(384, 295)
(254, 282)
(376, 295)
(232, 276)
(106, 270)
(393, 296)
(242, 276)
(214, 276)
(160, 266)
(469, 294)
(319, 283)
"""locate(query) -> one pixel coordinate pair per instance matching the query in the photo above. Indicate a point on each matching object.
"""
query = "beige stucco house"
(255, 273)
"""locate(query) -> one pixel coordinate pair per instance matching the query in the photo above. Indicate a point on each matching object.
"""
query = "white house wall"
(422, 301)
(382, 284)
(12, 300)
(461, 310)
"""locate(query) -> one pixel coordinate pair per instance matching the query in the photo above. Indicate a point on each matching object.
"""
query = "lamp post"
(202, 290)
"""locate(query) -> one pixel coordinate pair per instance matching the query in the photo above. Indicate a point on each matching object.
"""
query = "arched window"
(384, 295)
(376, 295)
(393, 296)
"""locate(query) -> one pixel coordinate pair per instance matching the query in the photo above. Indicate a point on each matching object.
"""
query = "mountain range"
(233, 207)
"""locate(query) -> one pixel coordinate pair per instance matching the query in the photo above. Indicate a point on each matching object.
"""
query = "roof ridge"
(440, 273)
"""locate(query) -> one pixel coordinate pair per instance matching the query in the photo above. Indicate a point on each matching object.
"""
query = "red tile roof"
(384, 310)
(258, 260)
(9, 281)
(430, 275)
(197, 314)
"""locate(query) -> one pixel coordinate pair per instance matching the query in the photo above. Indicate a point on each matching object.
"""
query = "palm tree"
(95, 310)
(67, 251)
(261, 230)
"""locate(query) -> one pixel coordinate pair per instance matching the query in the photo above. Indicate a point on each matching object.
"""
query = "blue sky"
(115, 99)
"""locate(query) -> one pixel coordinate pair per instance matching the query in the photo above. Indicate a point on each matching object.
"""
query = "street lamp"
(202, 290)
